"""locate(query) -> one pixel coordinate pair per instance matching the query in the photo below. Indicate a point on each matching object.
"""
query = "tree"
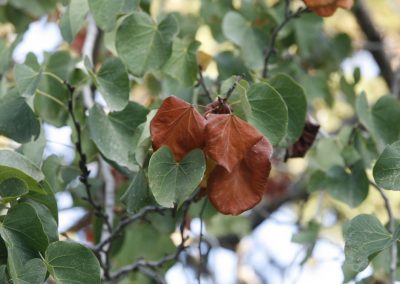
(173, 141)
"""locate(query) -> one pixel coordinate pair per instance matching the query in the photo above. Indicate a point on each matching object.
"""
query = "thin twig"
(392, 229)
(271, 49)
(84, 177)
(149, 264)
(233, 87)
(202, 83)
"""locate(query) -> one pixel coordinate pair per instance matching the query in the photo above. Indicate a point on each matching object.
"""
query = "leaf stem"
(392, 230)
(44, 94)
(233, 87)
(54, 76)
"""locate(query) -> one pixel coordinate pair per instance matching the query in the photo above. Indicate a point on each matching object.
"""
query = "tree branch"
(373, 36)
(392, 230)
(275, 32)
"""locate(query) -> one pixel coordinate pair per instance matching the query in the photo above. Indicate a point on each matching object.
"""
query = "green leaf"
(52, 168)
(142, 140)
(295, 99)
(12, 188)
(113, 83)
(238, 101)
(142, 44)
(17, 161)
(364, 237)
(385, 118)
(36, 8)
(48, 199)
(237, 29)
(347, 185)
(182, 64)
(17, 120)
(27, 79)
(70, 262)
(33, 224)
(15, 165)
(3, 274)
(73, 18)
(387, 169)
(105, 12)
(173, 182)
(269, 112)
(230, 64)
(138, 193)
(152, 243)
(34, 150)
(113, 133)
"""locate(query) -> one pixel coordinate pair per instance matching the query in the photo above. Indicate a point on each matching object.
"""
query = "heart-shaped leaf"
(229, 139)
(179, 126)
(364, 237)
(269, 113)
(239, 30)
(73, 18)
(138, 193)
(387, 169)
(17, 120)
(113, 133)
(241, 189)
(113, 83)
(106, 12)
(70, 262)
(172, 182)
(182, 64)
(32, 224)
(350, 186)
(142, 44)
(27, 79)
(295, 99)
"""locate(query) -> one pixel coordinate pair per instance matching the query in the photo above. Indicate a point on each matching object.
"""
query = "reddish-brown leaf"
(229, 138)
(241, 189)
(345, 4)
(179, 126)
(326, 8)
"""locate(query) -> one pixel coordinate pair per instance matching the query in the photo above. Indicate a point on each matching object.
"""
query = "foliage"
(183, 134)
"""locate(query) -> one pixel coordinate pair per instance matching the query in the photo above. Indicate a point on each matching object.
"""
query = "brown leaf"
(179, 126)
(241, 189)
(300, 148)
(326, 8)
(228, 139)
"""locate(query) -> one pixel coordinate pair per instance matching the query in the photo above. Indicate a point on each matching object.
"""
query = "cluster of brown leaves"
(326, 8)
(238, 155)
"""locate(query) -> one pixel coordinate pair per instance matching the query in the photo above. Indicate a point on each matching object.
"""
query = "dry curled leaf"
(326, 8)
(229, 139)
(179, 126)
(241, 189)
(300, 148)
